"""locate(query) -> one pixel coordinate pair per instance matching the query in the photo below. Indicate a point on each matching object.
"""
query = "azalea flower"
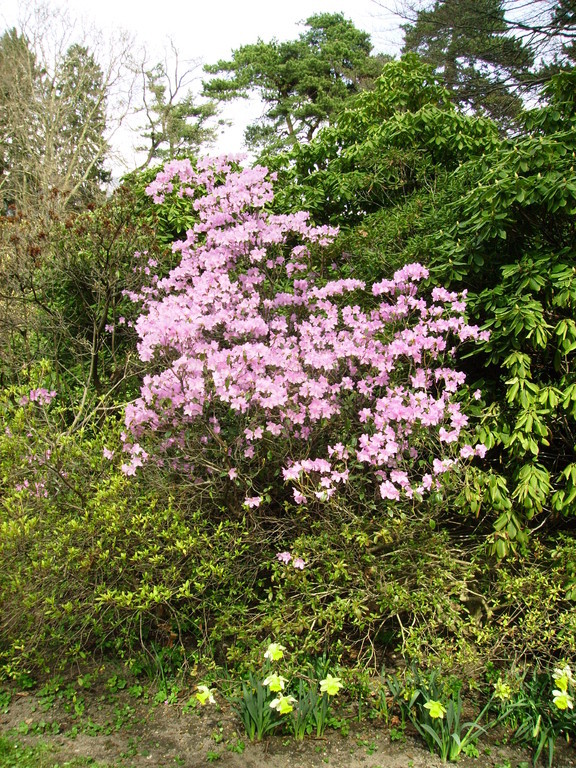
(436, 709)
(275, 682)
(41, 396)
(274, 652)
(205, 695)
(283, 704)
(284, 557)
(274, 357)
(330, 685)
(299, 563)
(562, 700)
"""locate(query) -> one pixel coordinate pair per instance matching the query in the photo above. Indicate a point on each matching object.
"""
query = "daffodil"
(275, 682)
(562, 700)
(562, 671)
(436, 709)
(205, 695)
(563, 676)
(502, 690)
(283, 704)
(274, 652)
(330, 685)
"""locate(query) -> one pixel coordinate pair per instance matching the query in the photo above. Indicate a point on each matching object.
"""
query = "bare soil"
(121, 730)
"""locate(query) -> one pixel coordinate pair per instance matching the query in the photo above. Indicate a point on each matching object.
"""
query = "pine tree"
(471, 47)
(177, 124)
(303, 83)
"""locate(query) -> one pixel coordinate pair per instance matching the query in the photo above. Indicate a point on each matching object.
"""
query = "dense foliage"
(330, 404)
(512, 242)
(487, 214)
(400, 138)
(474, 53)
(304, 83)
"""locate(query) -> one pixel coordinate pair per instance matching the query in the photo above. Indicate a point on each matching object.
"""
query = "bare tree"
(62, 94)
(176, 122)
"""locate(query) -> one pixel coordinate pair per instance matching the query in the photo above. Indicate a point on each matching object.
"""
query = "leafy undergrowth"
(15, 755)
(108, 719)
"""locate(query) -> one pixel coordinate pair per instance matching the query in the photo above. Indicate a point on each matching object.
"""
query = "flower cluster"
(41, 396)
(564, 681)
(286, 557)
(284, 703)
(243, 328)
(266, 700)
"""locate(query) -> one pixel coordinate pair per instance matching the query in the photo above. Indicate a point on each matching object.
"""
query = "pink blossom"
(448, 436)
(292, 473)
(299, 563)
(40, 395)
(284, 557)
(251, 346)
(439, 467)
(389, 491)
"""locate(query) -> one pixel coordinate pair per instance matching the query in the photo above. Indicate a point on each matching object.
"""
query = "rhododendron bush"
(260, 360)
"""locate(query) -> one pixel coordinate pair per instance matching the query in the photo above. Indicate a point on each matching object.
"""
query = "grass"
(14, 755)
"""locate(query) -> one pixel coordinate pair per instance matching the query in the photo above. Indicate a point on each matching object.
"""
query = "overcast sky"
(208, 30)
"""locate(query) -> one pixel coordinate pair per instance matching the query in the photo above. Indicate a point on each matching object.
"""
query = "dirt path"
(118, 729)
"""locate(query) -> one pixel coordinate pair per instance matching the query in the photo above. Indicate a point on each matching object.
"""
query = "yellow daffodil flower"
(436, 709)
(562, 676)
(283, 704)
(205, 695)
(502, 690)
(275, 682)
(274, 652)
(562, 700)
(330, 685)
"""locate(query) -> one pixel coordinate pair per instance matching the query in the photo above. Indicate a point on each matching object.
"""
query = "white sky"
(208, 30)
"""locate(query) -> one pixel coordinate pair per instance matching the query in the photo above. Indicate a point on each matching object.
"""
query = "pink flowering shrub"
(41, 396)
(258, 359)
